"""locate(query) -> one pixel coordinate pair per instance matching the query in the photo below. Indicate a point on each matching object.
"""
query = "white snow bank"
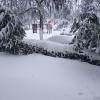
(64, 39)
(38, 77)
(49, 45)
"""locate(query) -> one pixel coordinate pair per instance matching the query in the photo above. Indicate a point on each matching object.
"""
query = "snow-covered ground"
(38, 77)
(63, 39)
(31, 35)
(53, 37)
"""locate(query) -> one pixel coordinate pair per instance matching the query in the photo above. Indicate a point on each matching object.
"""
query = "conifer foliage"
(11, 31)
(88, 34)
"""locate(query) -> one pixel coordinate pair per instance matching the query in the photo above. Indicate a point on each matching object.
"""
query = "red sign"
(34, 27)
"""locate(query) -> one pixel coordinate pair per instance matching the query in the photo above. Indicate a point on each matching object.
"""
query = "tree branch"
(25, 11)
(39, 2)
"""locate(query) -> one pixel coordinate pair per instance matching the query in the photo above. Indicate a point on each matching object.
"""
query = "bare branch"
(39, 2)
(25, 11)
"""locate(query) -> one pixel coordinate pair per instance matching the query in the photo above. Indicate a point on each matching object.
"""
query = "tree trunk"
(41, 26)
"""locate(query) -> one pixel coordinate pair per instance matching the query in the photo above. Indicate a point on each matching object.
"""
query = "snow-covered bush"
(11, 30)
(21, 49)
(75, 26)
(88, 34)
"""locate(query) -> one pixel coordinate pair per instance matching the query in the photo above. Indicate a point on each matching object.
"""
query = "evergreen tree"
(88, 35)
(11, 30)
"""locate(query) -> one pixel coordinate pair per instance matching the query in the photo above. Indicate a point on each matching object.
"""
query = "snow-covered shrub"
(75, 26)
(21, 49)
(88, 34)
(11, 30)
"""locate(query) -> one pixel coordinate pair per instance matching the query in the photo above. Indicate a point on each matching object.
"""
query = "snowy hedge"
(24, 48)
(11, 30)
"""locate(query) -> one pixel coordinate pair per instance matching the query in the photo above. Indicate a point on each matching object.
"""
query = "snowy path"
(38, 77)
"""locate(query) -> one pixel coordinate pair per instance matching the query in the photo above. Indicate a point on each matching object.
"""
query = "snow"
(1, 16)
(31, 35)
(63, 39)
(49, 45)
(57, 43)
(67, 30)
(38, 77)
(55, 36)
(52, 42)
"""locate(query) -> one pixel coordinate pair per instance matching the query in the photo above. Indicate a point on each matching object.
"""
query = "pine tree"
(11, 30)
(88, 35)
